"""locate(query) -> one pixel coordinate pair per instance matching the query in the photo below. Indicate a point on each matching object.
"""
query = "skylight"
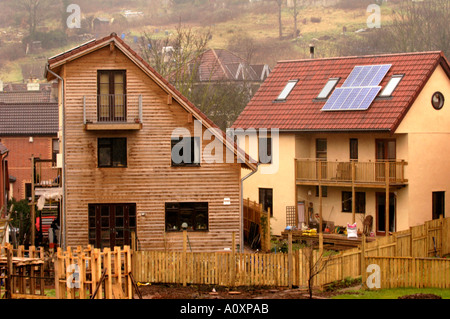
(287, 90)
(391, 86)
(328, 88)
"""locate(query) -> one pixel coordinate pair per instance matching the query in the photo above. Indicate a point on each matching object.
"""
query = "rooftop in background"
(302, 110)
(220, 64)
(18, 93)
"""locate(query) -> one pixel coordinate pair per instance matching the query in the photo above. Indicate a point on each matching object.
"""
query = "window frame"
(269, 149)
(389, 88)
(265, 198)
(111, 146)
(290, 85)
(111, 106)
(178, 208)
(360, 204)
(195, 147)
(328, 88)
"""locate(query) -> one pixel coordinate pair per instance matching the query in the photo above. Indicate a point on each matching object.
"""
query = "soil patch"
(166, 291)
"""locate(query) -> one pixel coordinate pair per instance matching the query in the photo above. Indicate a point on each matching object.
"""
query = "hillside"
(238, 25)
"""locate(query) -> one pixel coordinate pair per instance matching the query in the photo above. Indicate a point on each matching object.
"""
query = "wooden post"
(320, 244)
(184, 257)
(290, 261)
(363, 261)
(233, 259)
(33, 212)
(320, 196)
(353, 193)
(386, 210)
(9, 281)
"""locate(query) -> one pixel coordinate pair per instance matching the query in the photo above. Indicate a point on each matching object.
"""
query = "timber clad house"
(117, 118)
(358, 136)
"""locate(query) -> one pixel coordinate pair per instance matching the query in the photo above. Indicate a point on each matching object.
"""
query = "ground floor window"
(111, 224)
(190, 215)
(266, 199)
(324, 191)
(360, 203)
(438, 204)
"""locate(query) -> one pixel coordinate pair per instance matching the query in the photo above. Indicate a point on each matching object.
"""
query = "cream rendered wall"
(428, 147)
(282, 181)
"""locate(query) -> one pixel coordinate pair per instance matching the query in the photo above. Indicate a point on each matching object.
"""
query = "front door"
(381, 213)
(111, 224)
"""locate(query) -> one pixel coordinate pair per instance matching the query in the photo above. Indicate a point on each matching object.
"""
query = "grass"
(392, 293)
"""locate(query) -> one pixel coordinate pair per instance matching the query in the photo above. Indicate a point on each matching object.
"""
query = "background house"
(120, 176)
(28, 127)
(357, 135)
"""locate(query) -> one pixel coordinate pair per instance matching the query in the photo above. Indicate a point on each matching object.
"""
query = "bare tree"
(295, 13)
(280, 25)
(35, 10)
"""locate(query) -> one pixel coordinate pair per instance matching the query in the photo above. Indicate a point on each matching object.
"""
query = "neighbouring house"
(220, 65)
(28, 128)
(120, 129)
(4, 180)
(356, 135)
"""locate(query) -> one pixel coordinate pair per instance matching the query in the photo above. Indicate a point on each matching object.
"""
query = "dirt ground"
(165, 291)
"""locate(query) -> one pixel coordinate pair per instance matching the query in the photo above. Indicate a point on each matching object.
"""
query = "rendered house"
(119, 123)
(356, 135)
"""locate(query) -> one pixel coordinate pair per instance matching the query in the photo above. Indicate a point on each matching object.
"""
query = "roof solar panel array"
(359, 89)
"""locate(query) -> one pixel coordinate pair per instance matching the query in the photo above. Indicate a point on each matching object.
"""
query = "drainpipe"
(242, 206)
(5, 194)
(63, 177)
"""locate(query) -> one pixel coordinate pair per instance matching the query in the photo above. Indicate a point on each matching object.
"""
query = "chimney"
(31, 86)
(311, 51)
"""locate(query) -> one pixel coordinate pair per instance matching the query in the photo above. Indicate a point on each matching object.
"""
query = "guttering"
(63, 177)
(242, 206)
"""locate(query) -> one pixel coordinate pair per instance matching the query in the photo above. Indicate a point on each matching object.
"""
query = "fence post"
(184, 257)
(290, 263)
(363, 261)
(233, 259)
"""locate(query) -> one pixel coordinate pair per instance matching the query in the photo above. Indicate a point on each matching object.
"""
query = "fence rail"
(112, 108)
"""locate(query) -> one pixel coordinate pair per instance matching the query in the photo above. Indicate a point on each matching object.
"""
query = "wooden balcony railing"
(379, 173)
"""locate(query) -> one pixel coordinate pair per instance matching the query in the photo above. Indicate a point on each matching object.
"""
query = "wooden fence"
(22, 271)
(404, 260)
(256, 224)
(93, 273)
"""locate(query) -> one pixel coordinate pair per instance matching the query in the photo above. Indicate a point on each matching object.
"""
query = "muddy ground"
(165, 291)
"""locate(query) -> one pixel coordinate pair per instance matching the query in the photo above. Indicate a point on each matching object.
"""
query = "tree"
(280, 25)
(295, 12)
(35, 11)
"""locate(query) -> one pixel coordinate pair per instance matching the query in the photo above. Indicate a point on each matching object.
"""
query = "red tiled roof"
(177, 94)
(302, 112)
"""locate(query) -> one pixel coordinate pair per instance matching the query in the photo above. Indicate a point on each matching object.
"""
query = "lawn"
(392, 293)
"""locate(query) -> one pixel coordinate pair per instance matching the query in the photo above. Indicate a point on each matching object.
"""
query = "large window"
(360, 203)
(112, 152)
(111, 95)
(185, 151)
(192, 215)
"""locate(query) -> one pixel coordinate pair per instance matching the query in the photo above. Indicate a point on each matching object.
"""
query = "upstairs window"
(331, 84)
(391, 86)
(287, 90)
(112, 152)
(185, 151)
(111, 95)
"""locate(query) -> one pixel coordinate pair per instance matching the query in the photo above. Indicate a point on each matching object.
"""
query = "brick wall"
(19, 160)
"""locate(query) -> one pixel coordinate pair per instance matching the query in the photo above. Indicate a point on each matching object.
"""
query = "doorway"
(111, 224)
(381, 213)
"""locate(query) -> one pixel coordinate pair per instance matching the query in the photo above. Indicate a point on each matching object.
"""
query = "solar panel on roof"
(367, 75)
(359, 89)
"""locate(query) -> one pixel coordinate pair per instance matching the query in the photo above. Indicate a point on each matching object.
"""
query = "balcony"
(379, 174)
(112, 112)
